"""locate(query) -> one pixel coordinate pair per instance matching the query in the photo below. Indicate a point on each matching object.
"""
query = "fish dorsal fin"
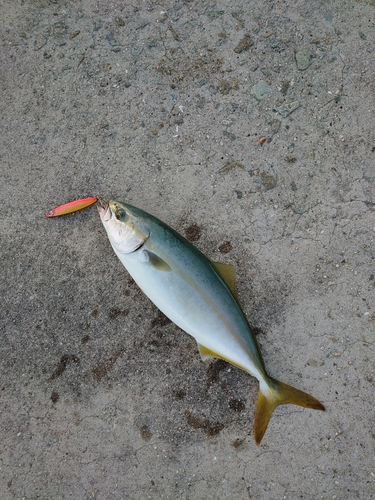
(156, 261)
(206, 353)
(228, 273)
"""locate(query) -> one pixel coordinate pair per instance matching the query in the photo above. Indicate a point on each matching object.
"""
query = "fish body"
(198, 295)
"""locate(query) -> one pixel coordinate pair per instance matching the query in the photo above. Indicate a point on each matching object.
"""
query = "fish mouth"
(104, 211)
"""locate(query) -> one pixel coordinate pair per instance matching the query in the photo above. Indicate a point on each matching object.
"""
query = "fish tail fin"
(279, 394)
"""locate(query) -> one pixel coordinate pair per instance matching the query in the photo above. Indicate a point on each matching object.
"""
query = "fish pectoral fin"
(156, 261)
(206, 353)
(228, 273)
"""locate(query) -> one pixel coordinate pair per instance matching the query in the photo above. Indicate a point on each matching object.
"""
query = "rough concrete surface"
(246, 125)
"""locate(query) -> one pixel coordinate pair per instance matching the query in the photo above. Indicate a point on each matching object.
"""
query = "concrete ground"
(247, 126)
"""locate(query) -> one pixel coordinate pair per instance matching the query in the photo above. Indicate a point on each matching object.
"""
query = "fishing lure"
(71, 207)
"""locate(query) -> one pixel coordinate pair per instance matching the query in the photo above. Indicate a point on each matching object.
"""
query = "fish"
(71, 207)
(199, 296)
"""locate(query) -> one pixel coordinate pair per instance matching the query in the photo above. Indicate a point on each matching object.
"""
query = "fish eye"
(120, 214)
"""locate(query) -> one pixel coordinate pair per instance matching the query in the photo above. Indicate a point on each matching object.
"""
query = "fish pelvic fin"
(279, 394)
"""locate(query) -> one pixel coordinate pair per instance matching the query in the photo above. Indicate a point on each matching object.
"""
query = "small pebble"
(260, 90)
(303, 59)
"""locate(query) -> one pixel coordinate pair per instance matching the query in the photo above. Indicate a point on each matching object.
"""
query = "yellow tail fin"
(279, 394)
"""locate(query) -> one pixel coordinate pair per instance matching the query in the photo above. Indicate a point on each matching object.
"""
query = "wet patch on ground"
(65, 360)
(211, 428)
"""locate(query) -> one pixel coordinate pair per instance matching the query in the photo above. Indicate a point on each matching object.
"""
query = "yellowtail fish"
(199, 296)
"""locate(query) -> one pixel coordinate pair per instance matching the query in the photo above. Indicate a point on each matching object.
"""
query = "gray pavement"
(165, 104)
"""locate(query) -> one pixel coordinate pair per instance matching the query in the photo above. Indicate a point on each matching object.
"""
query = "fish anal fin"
(207, 353)
(156, 261)
(228, 273)
(279, 394)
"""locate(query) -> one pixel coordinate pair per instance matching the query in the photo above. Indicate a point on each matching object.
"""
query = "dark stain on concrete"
(63, 363)
(106, 364)
(146, 434)
(225, 247)
(179, 393)
(193, 232)
(237, 443)
(160, 320)
(116, 311)
(211, 428)
(55, 397)
(236, 405)
(213, 371)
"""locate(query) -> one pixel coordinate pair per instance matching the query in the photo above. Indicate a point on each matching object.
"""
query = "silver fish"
(199, 296)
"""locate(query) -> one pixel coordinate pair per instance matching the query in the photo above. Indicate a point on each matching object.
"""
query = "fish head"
(126, 230)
